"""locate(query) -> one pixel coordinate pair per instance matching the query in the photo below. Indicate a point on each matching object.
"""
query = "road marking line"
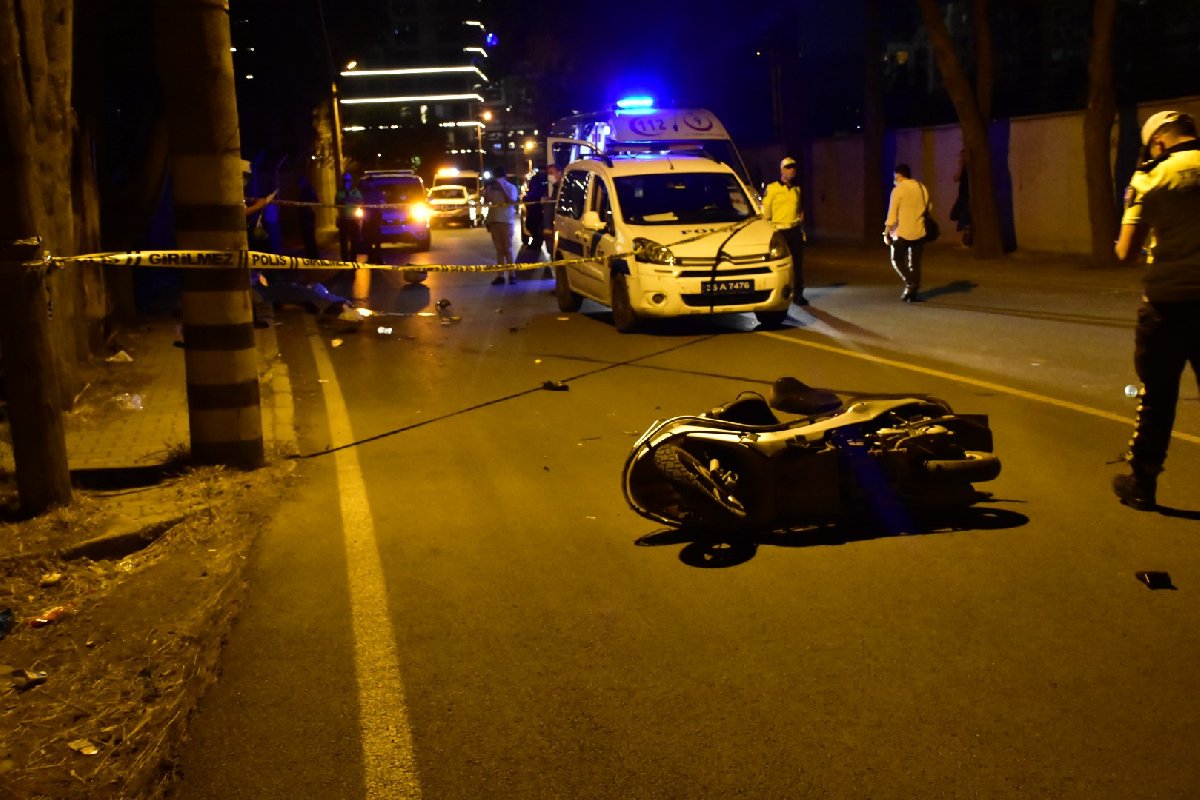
(994, 387)
(390, 769)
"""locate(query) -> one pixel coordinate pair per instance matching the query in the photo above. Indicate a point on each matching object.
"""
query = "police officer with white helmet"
(1162, 207)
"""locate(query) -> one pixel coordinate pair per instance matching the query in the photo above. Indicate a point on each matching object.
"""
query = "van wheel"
(567, 299)
(624, 318)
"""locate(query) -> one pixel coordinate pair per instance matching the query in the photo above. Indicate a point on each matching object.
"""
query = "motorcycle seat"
(793, 396)
(750, 408)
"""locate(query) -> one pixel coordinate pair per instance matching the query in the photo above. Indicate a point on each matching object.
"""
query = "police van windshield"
(675, 198)
(447, 193)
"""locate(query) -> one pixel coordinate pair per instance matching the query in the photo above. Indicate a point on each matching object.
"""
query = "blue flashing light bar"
(636, 101)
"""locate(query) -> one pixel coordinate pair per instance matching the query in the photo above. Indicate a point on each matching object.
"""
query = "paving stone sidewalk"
(133, 412)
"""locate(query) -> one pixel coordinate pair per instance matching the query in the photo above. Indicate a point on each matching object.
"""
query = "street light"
(486, 116)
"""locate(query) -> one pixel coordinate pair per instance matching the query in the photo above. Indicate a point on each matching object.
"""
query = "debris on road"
(50, 579)
(129, 402)
(555, 386)
(337, 342)
(1155, 580)
(120, 357)
(6, 621)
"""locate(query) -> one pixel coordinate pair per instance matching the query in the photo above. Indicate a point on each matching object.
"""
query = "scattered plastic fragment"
(383, 331)
(443, 303)
(1155, 580)
(6, 622)
(84, 747)
(23, 679)
(537, 361)
(555, 386)
(50, 579)
(1131, 390)
(120, 357)
(563, 319)
(51, 615)
(337, 342)
(129, 402)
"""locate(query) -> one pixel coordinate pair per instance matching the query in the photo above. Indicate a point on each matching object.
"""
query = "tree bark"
(873, 125)
(35, 200)
(985, 217)
(1097, 134)
(220, 353)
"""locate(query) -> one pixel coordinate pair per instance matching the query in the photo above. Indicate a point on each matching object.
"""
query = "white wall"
(1045, 163)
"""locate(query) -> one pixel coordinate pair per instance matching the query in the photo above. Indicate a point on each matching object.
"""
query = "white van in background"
(472, 182)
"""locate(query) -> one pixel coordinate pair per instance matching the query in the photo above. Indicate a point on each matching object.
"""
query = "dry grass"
(127, 666)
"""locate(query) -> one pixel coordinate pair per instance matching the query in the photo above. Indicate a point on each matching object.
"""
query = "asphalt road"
(459, 604)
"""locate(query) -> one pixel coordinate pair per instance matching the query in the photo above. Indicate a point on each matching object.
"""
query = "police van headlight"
(653, 252)
(779, 248)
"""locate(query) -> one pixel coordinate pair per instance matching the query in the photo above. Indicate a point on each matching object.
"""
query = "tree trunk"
(984, 60)
(1097, 134)
(35, 200)
(220, 352)
(874, 124)
(985, 217)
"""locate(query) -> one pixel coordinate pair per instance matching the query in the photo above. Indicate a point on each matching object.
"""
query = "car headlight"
(419, 212)
(359, 213)
(779, 248)
(653, 252)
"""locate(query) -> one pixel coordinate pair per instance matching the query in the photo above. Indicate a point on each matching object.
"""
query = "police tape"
(475, 204)
(252, 260)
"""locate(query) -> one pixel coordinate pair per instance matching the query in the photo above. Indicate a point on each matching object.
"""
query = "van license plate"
(726, 287)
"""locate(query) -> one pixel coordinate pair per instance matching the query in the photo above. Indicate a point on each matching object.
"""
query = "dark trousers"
(794, 236)
(1167, 339)
(348, 236)
(906, 260)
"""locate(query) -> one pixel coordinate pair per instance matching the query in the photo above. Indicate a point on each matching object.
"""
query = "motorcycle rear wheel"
(697, 485)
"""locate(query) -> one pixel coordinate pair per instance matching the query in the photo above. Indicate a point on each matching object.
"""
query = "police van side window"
(573, 194)
(601, 204)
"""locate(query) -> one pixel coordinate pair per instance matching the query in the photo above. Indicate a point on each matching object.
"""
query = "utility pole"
(220, 353)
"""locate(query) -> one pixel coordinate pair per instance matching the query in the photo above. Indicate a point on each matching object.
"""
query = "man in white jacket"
(904, 230)
(501, 197)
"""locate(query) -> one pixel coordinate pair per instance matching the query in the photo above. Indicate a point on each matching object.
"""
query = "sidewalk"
(946, 261)
(133, 413)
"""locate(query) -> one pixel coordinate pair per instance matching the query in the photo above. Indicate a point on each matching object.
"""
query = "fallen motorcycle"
(739, 466)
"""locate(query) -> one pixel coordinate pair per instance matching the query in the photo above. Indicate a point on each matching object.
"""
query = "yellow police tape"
(250, 259)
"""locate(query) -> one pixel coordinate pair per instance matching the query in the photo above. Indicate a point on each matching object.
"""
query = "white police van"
(657, 235)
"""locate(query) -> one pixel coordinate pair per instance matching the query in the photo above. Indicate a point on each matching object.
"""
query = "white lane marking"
(387, 746)
(994, 387)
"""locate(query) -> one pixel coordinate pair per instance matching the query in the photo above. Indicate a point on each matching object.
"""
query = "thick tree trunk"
(985, 217)
(984, 60)
(873, 125)
(1097, 134)
(35, 200)
(220, 353)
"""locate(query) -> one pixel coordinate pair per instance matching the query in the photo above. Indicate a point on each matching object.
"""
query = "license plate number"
(726, 287)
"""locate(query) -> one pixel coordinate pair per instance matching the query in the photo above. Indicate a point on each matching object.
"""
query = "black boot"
(1138, 489)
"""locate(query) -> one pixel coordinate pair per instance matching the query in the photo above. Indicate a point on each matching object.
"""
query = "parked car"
(664, 235)
(452, 204)
(406, 219)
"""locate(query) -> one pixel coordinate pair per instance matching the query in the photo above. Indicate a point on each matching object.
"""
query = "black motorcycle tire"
(973, 466)
(697, 485)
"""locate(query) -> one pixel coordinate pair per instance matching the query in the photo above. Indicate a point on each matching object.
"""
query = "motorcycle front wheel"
(697, 485)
